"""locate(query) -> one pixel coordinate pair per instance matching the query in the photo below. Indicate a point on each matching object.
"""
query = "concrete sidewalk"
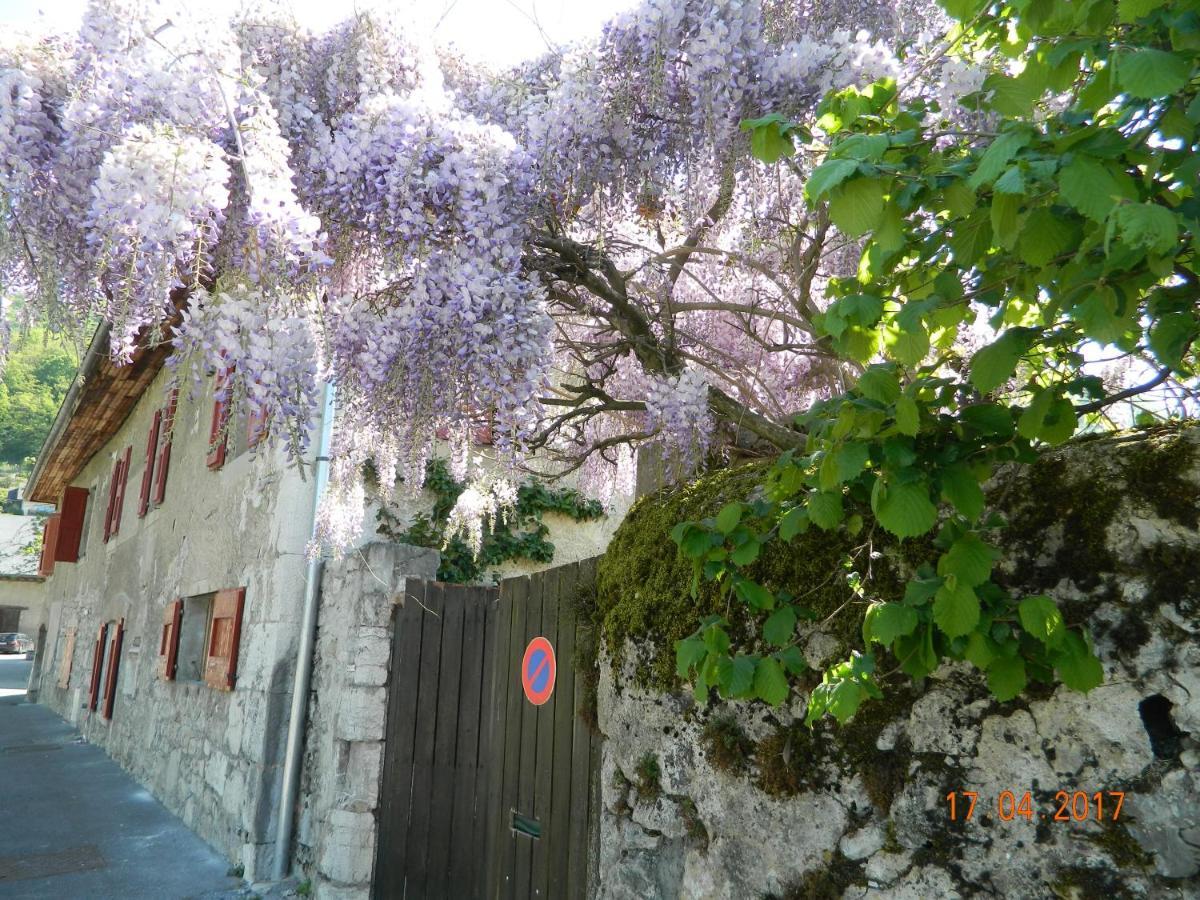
(73, 824)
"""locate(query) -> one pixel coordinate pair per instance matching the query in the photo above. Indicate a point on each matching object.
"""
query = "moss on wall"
(644, 583)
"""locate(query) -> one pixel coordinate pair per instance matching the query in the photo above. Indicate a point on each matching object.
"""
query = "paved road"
(14, 674)
(74, 825)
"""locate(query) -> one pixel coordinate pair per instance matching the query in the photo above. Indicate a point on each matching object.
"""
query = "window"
(201, 638)
(109, 690)
(98, 651)
(218, 435)
(163, 461)
(68, 657)
(72, 510)
(116, 494)
(49, 540)
(148, 467)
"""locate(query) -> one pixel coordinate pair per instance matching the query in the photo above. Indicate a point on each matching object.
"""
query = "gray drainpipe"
(304, 659)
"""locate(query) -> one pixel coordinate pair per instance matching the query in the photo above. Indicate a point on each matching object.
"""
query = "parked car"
(15, 642)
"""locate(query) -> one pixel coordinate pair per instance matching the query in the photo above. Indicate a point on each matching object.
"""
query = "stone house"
(177, 589)
(22, 600)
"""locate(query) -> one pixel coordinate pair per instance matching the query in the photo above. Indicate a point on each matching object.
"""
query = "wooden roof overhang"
(97, 404)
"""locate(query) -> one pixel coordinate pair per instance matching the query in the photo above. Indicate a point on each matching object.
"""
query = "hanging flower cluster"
(348, 206)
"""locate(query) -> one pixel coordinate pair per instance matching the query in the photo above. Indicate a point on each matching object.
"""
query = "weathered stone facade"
(738, 800)
(347, 714)
(212, 757)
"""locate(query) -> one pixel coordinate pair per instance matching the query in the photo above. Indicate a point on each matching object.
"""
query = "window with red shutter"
(68, 660)
(112, 500)
(168, 648)
(49, 541)
(217, 433)
(114, 665)
(224, 635)
(163, 462)
(119, 491)
(97, 667)
(71, 511)
(148, 471)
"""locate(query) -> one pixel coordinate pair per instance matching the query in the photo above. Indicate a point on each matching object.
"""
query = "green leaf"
(905, 509)
(995, 363)
(1029, 425)
(745, 553)
(1150, 73)
(907, 346)
(769, 137)
(1011, 182)
(1044, 236)
(908, 417)
(996, 157)
(862, 147)
(729, 517)
(856, 206)
(1131, 10)
(770, 682)
(1004, 211)
(851, 458)
(878, 383)
(825, 509)
(960, 199)
(1060, 423)
(956, 610)
(741, 676)
(961, 488)
(1170, 337)
(979, 650)
(780, 626)
(827, 176)
(689, 653)
(1006, 677)
(920, 591)
(884, 622)
(793, 660)
(795, 521)
(971, 239)
(989, 418)
(1097, 316)
(754, 594)
(961, 9)
(1147, 225)
(969, 559)
(1041, 617)
(1077, 666)
(916, 653)
(1090, 188)
(844, 700)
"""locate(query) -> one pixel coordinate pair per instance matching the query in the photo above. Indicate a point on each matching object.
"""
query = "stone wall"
(725, 800)
(343, 760)
(212, 757)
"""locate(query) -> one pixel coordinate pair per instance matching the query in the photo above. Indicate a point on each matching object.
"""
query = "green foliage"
(1071, 221)
(36, 377)
(522, 534)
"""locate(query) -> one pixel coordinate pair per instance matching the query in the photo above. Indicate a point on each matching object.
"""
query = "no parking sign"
(538, 669)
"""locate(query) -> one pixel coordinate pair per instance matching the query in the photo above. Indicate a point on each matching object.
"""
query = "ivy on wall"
(521, 535)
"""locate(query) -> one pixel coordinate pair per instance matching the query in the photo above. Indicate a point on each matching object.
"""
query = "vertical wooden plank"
(395, 801)
(544, 754)
(467, 789)
(523, 880)
(441, 839)
(417, 862)
(492, 752)
(509, 670)
(581, 760)
(564, 714)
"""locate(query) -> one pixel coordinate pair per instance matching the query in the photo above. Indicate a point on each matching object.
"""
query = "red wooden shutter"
(220, 668)
(217, 436)
(148, 472)
(168, 648)
(97, 663)
(70, 525)
(112, 499)
(49, 541)
(114, 665)
(164, 449)
(119, 502)
(256, 427)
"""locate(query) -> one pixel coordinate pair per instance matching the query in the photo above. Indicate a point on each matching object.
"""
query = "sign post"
(538, 671)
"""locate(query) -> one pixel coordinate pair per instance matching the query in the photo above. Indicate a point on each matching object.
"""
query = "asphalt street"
(75, 825)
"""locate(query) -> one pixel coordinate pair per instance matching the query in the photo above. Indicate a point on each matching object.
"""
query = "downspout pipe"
(293, 751)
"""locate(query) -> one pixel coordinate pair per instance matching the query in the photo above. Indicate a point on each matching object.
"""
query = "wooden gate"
(543, 798)
(485, 794)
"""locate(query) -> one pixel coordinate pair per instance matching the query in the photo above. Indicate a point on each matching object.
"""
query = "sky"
(499, 32)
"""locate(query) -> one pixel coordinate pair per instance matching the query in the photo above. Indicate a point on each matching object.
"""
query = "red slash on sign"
(538, 669)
